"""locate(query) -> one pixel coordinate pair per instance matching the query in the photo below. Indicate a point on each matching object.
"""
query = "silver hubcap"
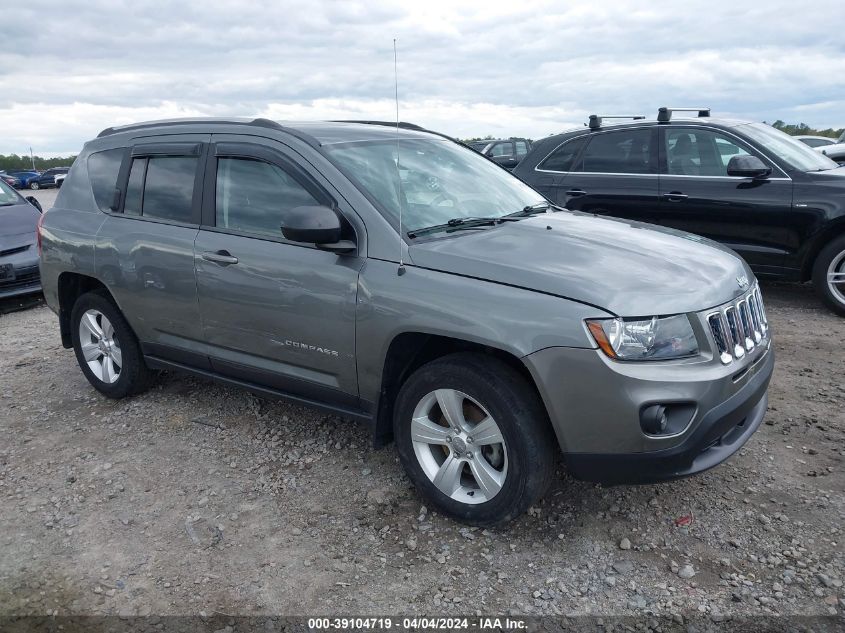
(459, 446)
(836, 277)
(100, 346)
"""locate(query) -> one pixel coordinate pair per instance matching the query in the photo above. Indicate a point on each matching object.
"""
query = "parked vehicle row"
(485, 329)
(30, 179)
(769, 197)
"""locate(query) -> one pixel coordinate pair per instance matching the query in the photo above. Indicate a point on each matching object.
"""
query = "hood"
(627, 268)
(17, 225)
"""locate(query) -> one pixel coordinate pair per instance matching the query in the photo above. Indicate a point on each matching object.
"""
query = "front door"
(697, 195)
(274, 312)
(615, 175)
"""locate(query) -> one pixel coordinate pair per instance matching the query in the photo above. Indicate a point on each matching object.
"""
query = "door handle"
(576, 193)
(675, 196)
(220, 257)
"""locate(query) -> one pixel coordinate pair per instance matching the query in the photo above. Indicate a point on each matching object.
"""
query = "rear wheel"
(474, 438)
(106, 348)
(829, 275)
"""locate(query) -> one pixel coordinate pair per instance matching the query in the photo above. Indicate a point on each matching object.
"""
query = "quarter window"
(254, 196)
(564, 156)
(103, 168)
(621, 152)
(691, 152)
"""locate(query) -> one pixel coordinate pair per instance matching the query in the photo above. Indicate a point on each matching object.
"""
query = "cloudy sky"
(70, 68)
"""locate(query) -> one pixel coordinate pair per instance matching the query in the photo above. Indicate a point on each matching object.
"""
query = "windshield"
(7, 194)
(441, 181)
(794, 153)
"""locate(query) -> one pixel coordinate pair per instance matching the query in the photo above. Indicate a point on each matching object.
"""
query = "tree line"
(802, 129)
(13, 162)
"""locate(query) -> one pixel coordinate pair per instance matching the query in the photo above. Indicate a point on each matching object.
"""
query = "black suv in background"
(505, 152)
(775, 201)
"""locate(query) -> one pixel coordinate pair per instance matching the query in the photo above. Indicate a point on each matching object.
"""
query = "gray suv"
(391, 275)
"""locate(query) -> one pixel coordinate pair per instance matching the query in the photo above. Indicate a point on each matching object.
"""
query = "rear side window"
(254, 196)
(622, 152)
(501, 149)
(563, 158)
(103, 169)
(162, 187)
(521, 149)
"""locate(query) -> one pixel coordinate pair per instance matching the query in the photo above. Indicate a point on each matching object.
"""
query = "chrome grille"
(738, 327)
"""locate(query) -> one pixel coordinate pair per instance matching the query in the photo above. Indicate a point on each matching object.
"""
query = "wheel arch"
(410, 350)
(71, 286)
(823, 238)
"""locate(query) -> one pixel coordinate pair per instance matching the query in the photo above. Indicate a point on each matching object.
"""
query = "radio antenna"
(401, 270)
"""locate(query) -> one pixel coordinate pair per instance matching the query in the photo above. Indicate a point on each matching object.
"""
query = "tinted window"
(501, 149)
(622, 152)
(254, 196)
(169, 187)
(521, 149)
(564, 156)
(103, 168)
(135, 187)
(691, 152)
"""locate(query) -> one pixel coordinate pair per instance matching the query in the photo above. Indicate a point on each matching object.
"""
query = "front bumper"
(27, 281)
(594, 405)
(721, 432)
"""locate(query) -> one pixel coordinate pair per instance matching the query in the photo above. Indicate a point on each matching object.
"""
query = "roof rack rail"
(596, 119)
(664, 114)
(404, 125)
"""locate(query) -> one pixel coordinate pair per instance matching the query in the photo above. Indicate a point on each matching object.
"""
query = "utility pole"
(32, 158)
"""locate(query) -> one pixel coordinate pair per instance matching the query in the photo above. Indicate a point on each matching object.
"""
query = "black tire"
(833, 251)
(532, 448)
(34, 186)
(134, 376)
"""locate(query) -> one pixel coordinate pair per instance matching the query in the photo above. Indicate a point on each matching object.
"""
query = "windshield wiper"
(535, 209)
(459, 224)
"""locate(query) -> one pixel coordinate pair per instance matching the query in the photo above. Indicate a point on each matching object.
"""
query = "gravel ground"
(196, 498)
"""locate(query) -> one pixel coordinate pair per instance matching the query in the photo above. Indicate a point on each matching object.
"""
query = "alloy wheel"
(836, 277)
(459, 446)
(100, 346)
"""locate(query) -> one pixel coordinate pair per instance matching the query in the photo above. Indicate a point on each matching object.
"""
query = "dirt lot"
(199, 498)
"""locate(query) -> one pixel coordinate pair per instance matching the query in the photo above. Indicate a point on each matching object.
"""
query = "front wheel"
(34, 186)
(106, 348)
(474, 438)
(829, 275)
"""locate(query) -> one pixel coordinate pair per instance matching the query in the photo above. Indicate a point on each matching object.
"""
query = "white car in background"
(816, 141)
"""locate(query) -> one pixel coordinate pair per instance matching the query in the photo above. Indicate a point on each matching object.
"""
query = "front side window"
(620, 152)
(563, 158)
(253, 196)
(696, 152)
(440, 180)
(501, 149)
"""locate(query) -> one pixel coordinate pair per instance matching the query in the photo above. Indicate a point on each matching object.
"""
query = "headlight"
(645, 339)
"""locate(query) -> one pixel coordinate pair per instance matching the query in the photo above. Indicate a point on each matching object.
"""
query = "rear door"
(615, 175)
(503, 153)
(145, 250)
(697, 195)
(274, 312)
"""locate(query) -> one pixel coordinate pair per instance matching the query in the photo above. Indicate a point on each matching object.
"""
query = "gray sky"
(69, 69)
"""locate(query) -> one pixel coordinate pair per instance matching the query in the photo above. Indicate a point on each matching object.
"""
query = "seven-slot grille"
(740, 325)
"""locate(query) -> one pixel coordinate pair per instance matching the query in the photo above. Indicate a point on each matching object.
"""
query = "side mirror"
(317, 225)
(748, 167)
(31, 200)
